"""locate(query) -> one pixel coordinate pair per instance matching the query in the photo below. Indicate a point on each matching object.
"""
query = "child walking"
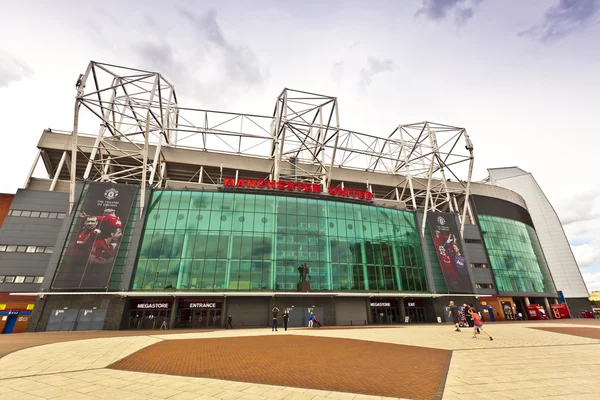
(478, 325)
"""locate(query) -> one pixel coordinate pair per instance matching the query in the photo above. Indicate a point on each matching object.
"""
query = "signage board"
(203, 305)
(296, 187)
(446, 240)
(163, 306)
(30, 307)
(94, 243)
(2, 307)
(382, 304)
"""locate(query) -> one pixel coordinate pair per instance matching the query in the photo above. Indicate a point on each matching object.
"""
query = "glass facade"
(206, 241)
(515, 255)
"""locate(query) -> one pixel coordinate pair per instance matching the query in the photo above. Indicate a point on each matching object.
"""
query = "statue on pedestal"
(304, 285)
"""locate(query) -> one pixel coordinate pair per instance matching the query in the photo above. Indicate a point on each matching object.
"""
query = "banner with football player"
(95, 237)
(446, 239)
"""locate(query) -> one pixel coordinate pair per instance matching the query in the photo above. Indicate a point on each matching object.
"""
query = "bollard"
(225, 325)
(350, 322)
(365, 322)
(261, 324)
(242, 324)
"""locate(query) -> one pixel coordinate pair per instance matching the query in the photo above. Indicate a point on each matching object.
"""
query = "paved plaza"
(534, 360)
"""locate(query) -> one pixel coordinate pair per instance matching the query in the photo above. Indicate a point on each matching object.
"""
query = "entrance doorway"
(415, 309)
(149, 319)
(384, 316)
(197, 313)
(385, 311)
(416, 314)
(196, 319)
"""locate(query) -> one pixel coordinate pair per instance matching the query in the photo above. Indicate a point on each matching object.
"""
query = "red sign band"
(296, 186)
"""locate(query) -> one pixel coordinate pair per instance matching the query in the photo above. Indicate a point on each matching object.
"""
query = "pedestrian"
(478, 324)
(275, 312)
(454, 314)
(310, 320)
(468, 318)
(229, 321)
(286, 317)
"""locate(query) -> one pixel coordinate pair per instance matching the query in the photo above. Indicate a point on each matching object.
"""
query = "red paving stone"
(592, 333)
(344, 365)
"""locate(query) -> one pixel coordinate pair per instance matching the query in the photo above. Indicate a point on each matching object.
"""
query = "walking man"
(275, 312)
(286, 317)
(454, 314)
(310, 320)
(229, 320)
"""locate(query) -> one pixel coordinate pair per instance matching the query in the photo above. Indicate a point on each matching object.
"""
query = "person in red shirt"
(439, 240)
(104, 250)
(109, 218)
(446, 264)
(478, 324)
(86, 237)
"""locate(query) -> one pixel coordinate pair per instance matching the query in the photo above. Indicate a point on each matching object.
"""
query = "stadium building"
(170, 217)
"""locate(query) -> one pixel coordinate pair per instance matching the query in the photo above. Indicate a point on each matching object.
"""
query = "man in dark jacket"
(229, 320)
(453, 312)
(275, 312)
(286, 317)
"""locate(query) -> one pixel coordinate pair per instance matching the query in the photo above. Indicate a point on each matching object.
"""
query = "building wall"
(561, 262)
(21, 304)
(34, 221)
(241, 241)
(5, 201)
(114, 305)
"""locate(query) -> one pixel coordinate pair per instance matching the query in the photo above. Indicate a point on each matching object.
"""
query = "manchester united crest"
(111, 194)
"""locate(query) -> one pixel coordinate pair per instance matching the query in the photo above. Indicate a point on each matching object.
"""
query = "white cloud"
(587, 254)
(376, 66)
(592, 281)
(12, 69)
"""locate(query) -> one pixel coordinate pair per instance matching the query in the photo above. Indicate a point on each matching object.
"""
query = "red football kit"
(112, 220)
(103, 250)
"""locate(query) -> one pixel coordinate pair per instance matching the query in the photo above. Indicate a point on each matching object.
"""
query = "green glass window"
(237, 241)
(515, 255)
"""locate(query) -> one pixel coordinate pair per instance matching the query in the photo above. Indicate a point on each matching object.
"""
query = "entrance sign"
(446, 240)
(296, 187)
(203, 305)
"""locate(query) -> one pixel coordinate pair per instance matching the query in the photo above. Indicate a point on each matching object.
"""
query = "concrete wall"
(557, 251)
(114, 305)
(31, 231)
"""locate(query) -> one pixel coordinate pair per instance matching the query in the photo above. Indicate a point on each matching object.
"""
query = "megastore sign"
(154, 305)
(295, 187)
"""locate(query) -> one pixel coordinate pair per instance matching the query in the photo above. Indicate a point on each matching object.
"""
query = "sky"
(521, 76)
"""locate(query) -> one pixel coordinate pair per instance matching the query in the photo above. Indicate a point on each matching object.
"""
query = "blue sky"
(520, 76)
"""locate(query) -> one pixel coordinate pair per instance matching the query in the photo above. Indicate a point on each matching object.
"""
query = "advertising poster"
(446, 239)
(94, 242)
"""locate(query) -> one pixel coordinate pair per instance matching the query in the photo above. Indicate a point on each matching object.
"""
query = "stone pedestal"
(304, 286)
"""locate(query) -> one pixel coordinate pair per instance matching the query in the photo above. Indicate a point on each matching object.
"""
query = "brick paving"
(19, 341)
(592, 333)
(343, 365)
